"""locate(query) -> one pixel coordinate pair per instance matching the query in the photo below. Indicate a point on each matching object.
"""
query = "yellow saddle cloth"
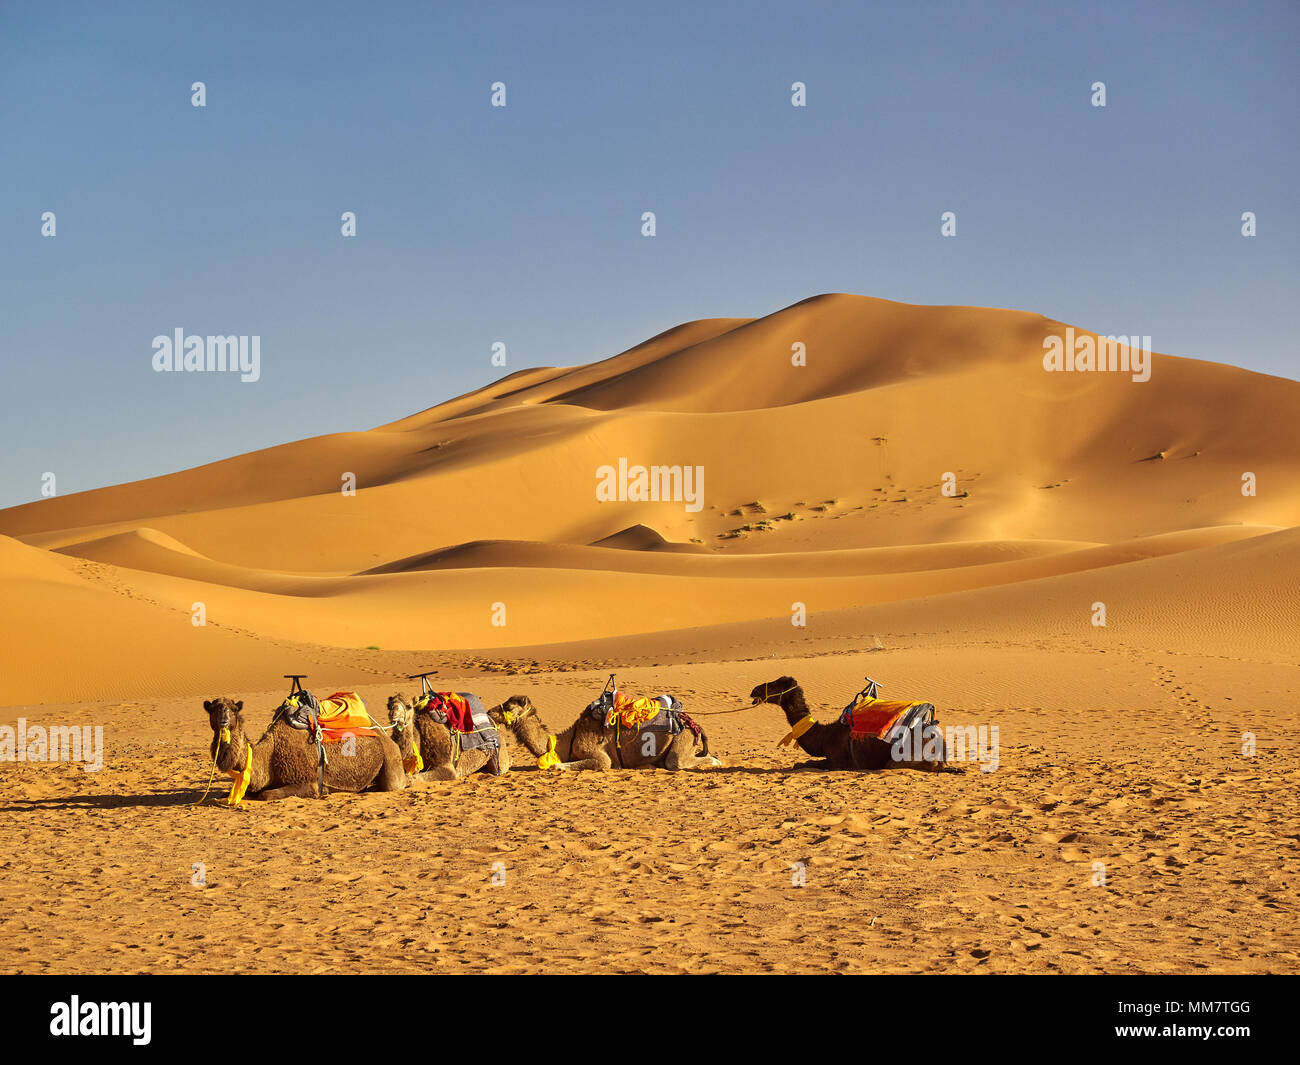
(632, 712)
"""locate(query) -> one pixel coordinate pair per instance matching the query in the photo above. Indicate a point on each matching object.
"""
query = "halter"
(767, 695)
(511, 716)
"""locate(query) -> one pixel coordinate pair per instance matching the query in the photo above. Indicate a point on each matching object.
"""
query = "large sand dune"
(821, 485)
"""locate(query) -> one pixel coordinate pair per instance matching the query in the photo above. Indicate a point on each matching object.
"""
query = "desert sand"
(1141, 817)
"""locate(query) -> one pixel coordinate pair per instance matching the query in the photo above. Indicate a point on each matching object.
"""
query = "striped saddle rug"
(464, 714)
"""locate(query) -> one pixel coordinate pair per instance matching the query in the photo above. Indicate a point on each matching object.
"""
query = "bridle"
(511, 716)
(767, 696)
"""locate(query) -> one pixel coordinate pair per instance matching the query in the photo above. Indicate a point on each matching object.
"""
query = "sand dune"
(823, 484)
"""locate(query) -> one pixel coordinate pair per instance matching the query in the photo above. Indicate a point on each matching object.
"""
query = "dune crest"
(853, 453)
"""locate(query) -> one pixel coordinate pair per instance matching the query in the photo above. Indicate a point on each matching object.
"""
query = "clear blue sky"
(522, 224)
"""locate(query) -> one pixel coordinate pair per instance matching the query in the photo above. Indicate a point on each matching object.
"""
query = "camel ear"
(239, 706)
(207, 706)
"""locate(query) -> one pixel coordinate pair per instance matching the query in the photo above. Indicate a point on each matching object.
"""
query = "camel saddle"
(340, 716)
(464, 714)
(868, 716)
(334, 718)
(662, 713)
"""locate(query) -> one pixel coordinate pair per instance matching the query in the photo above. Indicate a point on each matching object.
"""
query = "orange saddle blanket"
(344, 714)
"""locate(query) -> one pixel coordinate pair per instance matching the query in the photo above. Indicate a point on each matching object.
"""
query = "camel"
(833, 741)
(284, 761)
(438, 750)
(588, 744)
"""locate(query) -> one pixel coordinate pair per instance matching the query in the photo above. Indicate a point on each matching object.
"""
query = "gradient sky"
(522, 224)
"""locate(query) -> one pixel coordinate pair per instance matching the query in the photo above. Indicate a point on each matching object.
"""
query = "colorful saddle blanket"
(340, 715)
(884, 720)
(464, 714)
(662, 713)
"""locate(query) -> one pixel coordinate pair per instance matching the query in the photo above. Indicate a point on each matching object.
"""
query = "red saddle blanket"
(454, 707)
(873, 717)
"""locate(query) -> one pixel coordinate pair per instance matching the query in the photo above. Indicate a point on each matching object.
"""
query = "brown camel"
(284, 761)
(588, 744)
(833, 741)
(438, 750)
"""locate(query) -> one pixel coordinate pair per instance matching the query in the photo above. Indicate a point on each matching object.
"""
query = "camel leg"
(437, 772)
(589, 749)
(598, 760)
(681, 754)
(289, 791)
(500, 761)
(392, 775)
(471, 762)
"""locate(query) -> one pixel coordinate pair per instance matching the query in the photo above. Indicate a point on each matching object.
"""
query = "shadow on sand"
(107, 801)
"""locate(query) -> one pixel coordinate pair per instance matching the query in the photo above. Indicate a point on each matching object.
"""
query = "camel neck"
(536, 737)
(260, 776)
(407, 740)
(564, 742)
(812, 740)
(794, 706)
(228, 763)
(532, 734)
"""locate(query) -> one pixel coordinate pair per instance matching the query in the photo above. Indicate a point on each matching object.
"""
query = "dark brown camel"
(833, 741)
(587, 744)
(437, 745)
(284, 761)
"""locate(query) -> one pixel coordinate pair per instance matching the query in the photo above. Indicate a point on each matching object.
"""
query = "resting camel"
(437, 749)
(833, 741)
(284, 760)
(588, 744)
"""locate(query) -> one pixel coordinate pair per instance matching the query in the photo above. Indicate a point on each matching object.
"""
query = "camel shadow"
(748, 770)
(820, 768)
(184, 797)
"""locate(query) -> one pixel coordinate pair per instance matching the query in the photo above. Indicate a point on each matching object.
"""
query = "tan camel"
(588, 744)
(284, 762)
(439, 753)
(834, 741)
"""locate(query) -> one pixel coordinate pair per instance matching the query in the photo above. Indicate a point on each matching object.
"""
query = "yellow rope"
(235, 775)
(211, 777)
(741, 709)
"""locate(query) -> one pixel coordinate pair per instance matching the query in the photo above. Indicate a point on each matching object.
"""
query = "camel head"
(510, 713)
(773, 691)
(517, 717)
(228, 738)
(401, 715)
